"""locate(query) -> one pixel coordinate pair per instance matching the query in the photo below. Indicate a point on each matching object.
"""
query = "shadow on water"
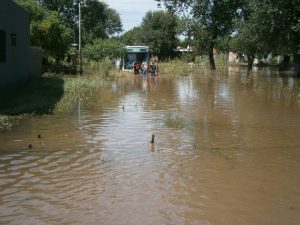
(38, 95)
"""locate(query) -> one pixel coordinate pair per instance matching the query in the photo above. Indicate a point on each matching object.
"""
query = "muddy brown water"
(226, 151)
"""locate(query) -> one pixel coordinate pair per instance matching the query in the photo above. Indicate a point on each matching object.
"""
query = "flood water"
(226, 151)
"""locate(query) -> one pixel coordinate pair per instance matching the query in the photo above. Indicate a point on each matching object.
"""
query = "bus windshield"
(135, 54)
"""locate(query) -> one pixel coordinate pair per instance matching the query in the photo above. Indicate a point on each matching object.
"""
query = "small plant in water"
(175, 122)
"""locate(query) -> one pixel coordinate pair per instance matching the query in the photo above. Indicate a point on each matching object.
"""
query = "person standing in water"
(136, 68)
(145, 68)
(155, 68)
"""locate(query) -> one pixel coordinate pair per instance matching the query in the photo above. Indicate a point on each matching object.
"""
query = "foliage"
(105, 66)
(55, 23)
(68, 9)
(158, 31)
(268, 27)
(7, 122)
(47, 30)
(175, 121)
(51, 35)
(132, 37)
(80, 88)
(99, 21)
(46, 95)
(103, 48)
(223, 43)
(113, 24)
(284, 20)
(206, 20)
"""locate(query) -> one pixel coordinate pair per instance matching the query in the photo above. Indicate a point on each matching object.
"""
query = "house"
(233, 57)
(17, 61)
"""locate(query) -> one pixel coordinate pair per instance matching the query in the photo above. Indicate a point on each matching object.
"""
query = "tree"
(251, 37)
(269, 27)
(286, 20)
(208, 20)
(132, 37)
(159, 32)
(47, 30)
(113, 22)
(103, 48)
(68, 9)
(98, 20)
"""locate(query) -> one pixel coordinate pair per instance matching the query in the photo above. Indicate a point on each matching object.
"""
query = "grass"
(37, 95)
(46, 96)
(175, 121)
(79, 89)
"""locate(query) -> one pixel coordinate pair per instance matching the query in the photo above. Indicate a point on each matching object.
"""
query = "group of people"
(146, 67)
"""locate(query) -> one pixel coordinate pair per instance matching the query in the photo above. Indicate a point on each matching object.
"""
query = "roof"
(136, 46)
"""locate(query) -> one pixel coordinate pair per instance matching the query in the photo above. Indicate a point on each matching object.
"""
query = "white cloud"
(132, 11)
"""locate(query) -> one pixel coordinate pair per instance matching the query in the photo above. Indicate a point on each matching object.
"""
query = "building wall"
(14, 21)
(233, 57)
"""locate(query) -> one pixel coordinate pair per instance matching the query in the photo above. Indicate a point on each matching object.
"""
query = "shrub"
(101, 49)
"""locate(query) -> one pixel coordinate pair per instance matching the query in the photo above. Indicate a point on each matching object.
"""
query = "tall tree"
(68, 9)
(251, 36)
(159, 32)
(132, 37)
(269, 27)
(209, 20)
(98, 19)
(286, 29)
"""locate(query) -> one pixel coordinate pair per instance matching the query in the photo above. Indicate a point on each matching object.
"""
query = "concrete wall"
(14, 20)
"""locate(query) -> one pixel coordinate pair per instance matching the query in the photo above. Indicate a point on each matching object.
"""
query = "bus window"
(136, 54)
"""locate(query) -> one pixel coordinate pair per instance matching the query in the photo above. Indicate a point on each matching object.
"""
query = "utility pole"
(79, 39)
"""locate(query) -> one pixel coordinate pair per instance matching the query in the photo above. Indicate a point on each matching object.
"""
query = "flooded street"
(226, 151)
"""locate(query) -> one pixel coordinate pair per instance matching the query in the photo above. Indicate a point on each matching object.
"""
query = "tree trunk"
(284, 65)
(250, 62)
(297, 64)
(211, 59)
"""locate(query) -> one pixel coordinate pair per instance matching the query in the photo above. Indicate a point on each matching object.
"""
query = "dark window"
(13, 38)
(2, 46)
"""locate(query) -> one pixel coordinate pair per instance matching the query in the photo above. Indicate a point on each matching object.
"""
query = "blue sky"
(132, 11)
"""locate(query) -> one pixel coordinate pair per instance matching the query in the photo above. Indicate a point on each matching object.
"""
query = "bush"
(101, 49)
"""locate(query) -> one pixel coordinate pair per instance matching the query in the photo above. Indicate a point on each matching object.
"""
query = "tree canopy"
(268, 27)
(54, 24)
(158, 30)
(207, 20)
(47, 30)
(251, 27)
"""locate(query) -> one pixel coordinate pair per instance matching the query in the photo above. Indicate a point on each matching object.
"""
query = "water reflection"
(226, 151)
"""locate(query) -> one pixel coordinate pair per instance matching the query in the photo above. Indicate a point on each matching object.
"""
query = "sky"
(132, 11)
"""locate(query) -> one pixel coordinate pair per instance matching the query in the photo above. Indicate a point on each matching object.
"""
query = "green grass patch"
(175, 121)
(81, 88)
(46, 96)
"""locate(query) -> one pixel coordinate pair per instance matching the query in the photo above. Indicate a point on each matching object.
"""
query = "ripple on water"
(235, 159)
